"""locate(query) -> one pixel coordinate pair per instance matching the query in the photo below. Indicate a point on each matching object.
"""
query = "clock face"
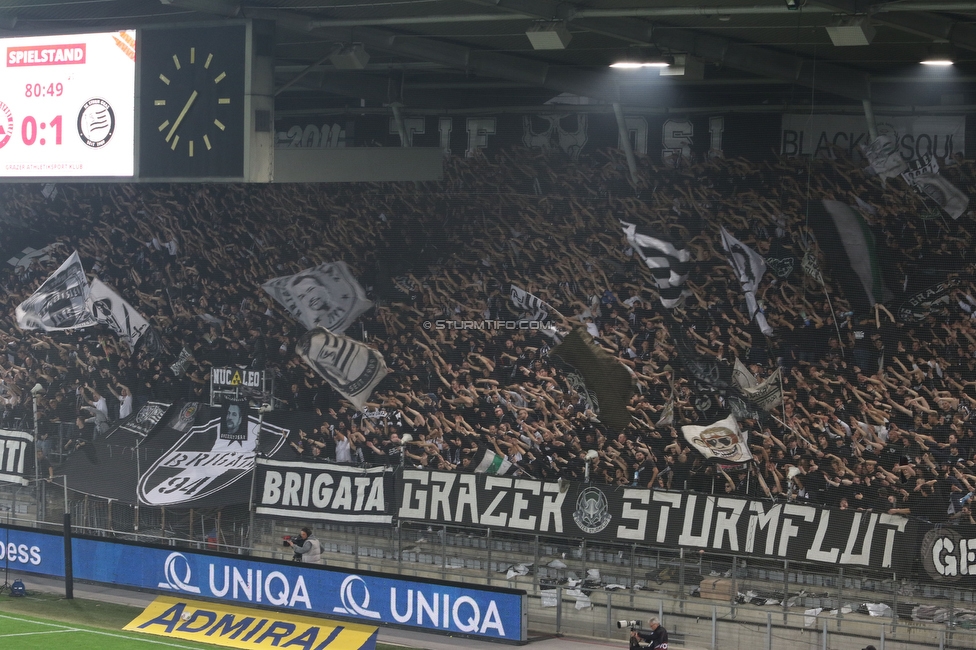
(192, 102)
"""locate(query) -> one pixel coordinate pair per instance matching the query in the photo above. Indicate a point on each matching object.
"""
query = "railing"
(706, 600)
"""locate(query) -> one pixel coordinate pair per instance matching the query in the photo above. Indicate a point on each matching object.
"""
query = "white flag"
(60, 303)
(323, 296)
(721, 440)
(749, 266)
(741, 375)
(767, 395)
(351, 367)
(109, 308)
(884, 156)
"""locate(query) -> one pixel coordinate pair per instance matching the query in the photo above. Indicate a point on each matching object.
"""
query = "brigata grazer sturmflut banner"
(731, 525)
(16, 456)
(325, 491)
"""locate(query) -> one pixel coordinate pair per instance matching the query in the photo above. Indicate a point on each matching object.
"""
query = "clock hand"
(179, 119)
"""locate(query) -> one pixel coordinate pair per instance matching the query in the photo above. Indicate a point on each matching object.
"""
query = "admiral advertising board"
(448, 607)
(793, 531)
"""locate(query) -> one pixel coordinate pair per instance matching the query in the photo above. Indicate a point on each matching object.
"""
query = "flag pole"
(791, 429)
(840, 339)
(762, 481)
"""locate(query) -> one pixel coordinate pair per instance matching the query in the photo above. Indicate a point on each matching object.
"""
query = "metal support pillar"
(625, 141)
(401, 127)
(869, 116)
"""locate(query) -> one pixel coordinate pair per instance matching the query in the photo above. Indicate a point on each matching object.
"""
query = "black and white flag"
(923, 174)
(742, 376)
(669, 263)
(351, 367)
(767, 395)
(323, 296)
(60, 303)
(721, 440)
(182, 362)
(537, 310)
(16, 456)
(109, 308)
(749, 266)
(884, 155)
(536, 307)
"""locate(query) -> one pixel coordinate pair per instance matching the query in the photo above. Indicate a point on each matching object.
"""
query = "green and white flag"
(492, 463)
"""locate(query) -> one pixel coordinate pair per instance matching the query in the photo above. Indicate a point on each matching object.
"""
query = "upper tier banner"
(735, 526)
(665, 139)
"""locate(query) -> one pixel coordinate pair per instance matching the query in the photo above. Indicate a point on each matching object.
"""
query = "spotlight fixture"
(653, 62)
(353, 57)
(791, 5)
(851, 32)
(549, 36)
(687, 66)
(939, 55)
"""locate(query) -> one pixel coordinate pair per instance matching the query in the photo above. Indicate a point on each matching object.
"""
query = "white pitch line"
(4, 636)
(66, 628)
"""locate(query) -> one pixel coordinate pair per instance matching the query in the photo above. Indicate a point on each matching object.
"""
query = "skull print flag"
(721, 440)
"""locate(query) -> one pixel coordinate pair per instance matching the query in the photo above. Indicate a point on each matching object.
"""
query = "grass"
(43, 621)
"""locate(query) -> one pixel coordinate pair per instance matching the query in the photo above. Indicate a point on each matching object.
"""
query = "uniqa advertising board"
(452, 608)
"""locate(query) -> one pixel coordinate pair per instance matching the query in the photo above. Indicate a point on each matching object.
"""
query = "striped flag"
(669, 262)
(492, 463)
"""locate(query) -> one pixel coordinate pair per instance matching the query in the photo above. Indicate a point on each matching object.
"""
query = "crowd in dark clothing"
(877, 408)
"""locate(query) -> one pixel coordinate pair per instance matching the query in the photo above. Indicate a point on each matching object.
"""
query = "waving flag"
(749, 266)
(669, 262)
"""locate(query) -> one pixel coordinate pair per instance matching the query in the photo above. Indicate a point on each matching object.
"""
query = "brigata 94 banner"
(67, 105)
(731, 525)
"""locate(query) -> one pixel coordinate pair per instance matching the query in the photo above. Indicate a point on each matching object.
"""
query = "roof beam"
(838, 80)
(920, 23)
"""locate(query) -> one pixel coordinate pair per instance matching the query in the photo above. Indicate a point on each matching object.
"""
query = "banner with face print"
(323, 296)
(720, 440)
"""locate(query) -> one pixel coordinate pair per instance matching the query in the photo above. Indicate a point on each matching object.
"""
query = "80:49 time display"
(54, 89)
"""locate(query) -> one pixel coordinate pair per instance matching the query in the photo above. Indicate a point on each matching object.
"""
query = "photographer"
(657, 638)
(308, 548)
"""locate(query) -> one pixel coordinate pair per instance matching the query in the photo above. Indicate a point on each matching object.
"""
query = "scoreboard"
(67, 105)
(165, 103)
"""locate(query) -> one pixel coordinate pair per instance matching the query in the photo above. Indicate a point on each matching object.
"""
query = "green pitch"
(44, 621)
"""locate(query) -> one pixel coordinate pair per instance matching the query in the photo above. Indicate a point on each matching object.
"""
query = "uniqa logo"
(173, 580)
(349, 604)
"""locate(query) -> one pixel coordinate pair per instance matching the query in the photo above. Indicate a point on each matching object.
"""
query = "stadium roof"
(463, 54)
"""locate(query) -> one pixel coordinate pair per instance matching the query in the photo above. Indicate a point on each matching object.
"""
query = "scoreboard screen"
(67, 105)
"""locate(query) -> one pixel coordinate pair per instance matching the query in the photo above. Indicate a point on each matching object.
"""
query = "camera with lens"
(633, 625)
(297, 539)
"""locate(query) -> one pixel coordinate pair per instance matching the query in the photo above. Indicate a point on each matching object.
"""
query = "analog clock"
(192, 102)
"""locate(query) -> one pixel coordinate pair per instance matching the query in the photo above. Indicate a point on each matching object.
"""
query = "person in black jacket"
(657, 638)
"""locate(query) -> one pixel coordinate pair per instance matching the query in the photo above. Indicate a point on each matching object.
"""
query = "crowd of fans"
(877, 408)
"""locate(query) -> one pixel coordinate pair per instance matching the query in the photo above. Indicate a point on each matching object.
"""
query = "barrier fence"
(578, 588)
